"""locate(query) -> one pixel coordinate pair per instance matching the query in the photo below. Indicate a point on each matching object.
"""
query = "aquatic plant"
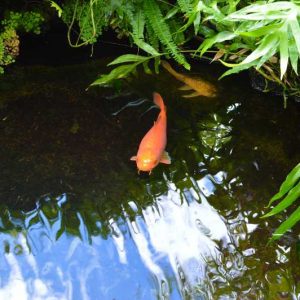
(290, 192)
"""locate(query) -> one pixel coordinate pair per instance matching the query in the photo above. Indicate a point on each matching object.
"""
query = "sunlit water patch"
(165, 250)
(175, 238)
(172, 249)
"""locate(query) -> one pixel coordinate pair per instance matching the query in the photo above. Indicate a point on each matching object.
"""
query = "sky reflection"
(164, 248)
(175, 237)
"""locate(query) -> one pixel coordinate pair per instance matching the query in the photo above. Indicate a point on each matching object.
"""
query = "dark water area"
(78, 222)
(52, 48)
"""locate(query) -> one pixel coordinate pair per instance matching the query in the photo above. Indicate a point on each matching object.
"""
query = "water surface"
(78, 222)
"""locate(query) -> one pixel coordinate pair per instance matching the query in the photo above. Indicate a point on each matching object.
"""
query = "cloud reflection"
(179, 235)
(18, 285)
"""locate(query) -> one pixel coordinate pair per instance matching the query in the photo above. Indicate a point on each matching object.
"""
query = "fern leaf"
(138, 25)
(57, 8)
(117, 73)
(186, 6)
(162, 30)
(152, 37)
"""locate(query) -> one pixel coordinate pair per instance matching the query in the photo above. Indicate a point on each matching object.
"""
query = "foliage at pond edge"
(264, 35)
(12, 23)
(289, 192)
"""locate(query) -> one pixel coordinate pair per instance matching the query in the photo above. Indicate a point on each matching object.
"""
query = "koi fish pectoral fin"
(165, 159)
(194, 94)
(185, 88)
(133, 158)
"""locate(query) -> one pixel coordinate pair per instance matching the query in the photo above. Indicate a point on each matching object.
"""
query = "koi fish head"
(211, 90)
(146, 161)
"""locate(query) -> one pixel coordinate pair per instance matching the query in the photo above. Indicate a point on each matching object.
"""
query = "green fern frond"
(162, 30)
(151, 36)
(2, 49)
(178, 36)
(91, 21)
(56, 7)
(186, 6)
(91, 17)
(138, 24)
(137, 21)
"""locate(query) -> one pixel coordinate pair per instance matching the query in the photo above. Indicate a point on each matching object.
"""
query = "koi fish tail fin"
(168, 67)
(157, 99)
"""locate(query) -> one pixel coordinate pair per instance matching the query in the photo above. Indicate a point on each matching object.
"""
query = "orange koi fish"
(151, 151)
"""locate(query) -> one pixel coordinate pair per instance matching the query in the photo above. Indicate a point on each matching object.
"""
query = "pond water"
(78, 222)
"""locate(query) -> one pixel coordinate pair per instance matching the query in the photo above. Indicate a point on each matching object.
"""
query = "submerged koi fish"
(201, 87)
(151, 151)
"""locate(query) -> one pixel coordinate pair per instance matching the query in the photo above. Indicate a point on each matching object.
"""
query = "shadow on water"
(77, 222)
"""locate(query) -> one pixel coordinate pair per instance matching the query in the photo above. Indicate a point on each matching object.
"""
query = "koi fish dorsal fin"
(165, 159)
(133, 157)
(157, 99)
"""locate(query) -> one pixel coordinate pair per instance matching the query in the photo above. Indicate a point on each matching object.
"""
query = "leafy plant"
(28, 21)
(290, 192)
(142, 21)
(129, 64)
(9, 39)
(264, 35)
(56, 7)
(162, 30)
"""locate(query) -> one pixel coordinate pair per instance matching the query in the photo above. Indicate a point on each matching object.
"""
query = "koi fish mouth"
(147, 164)
(148, 171)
